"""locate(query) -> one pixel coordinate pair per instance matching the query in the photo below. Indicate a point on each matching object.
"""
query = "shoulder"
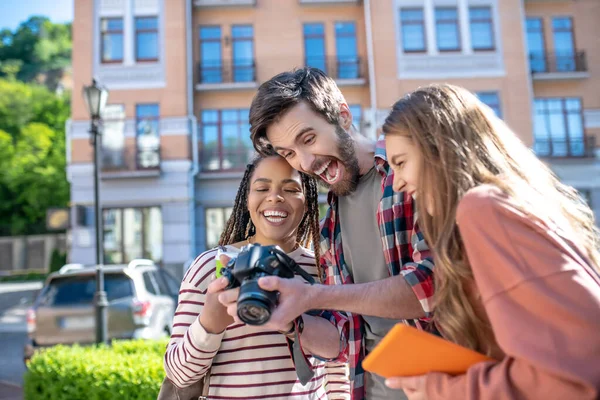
(201, 269)
(483, 201)
(302, 254)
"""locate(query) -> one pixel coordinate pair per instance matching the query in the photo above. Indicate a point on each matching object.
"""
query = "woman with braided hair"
(275, 205)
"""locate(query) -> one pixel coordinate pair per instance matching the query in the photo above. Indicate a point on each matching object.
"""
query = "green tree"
(32, 156)
(37, 47)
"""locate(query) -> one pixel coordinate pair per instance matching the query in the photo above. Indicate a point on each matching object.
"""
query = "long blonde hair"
(465, 145)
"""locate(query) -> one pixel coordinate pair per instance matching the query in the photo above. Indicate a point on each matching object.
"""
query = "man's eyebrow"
(296, 139)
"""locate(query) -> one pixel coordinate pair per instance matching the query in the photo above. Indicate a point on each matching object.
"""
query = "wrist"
(296, 325)
(209, 326)
(312, 296)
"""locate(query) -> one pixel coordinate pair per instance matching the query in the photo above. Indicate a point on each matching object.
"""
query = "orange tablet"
(407, 351)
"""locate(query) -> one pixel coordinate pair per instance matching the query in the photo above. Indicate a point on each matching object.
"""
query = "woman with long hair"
(275, 205)
(516, 252)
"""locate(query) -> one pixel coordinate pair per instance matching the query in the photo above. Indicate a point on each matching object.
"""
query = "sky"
(13, 12)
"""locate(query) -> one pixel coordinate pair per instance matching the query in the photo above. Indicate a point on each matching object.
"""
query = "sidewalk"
(10, 391)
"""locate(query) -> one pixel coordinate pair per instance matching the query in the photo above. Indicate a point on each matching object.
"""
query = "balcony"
(571, 148)
(224, 3)
(130, 162)
(558, 66)
(347, 71)
(227, 75)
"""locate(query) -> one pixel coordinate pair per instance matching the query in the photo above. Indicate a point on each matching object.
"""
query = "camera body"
(255, 305)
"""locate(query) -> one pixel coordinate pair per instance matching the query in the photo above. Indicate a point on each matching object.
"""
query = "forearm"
(513, 379)
(320, 337)
(187, 360)
(387, 298)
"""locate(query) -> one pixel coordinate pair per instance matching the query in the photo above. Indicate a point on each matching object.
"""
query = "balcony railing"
(227, 72)
(583, 147)
(558, 62)
(143, 158)
(340, 68)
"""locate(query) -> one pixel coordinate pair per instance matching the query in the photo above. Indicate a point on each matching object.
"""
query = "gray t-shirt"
(363, 253)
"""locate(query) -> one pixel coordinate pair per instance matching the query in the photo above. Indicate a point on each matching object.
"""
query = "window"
(166, 280)
(216, 218)
(147, 135)
(243, 53)
(131, 233)
(160, 282)
(446, 26)
(225, 136)
(536, 44)
(564, 44)
(111, 40)
(113, 137)
(150, 283)
(413, 30)
(314, 46)
(558, 127)
(492, 100)
(482, 29)
(80, 289)
(210, 55)
(356, 111)
(146, 38)
(346, 51)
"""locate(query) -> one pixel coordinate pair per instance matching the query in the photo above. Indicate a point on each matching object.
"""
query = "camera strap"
(303, 367)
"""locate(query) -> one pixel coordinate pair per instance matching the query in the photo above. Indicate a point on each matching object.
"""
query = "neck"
(365, 151)
(287, 244)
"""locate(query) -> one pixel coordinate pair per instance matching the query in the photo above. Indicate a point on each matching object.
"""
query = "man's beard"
(347, 160)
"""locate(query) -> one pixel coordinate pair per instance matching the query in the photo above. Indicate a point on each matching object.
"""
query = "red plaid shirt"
(405, 253)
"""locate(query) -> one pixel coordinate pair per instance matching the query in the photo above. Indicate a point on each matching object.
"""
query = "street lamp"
(95, 99)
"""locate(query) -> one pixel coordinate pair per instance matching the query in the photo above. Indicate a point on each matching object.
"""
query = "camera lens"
(254, 312)
(255, 304)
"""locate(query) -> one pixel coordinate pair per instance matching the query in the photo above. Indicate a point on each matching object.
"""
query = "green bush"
(127, 370)
(24, 277)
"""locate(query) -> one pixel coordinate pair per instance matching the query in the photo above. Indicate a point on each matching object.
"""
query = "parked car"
(141, 303)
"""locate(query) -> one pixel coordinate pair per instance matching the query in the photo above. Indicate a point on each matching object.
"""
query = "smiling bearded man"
(377, 265)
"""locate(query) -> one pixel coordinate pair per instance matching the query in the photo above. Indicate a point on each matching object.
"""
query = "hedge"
(26, 277)
(126, 370)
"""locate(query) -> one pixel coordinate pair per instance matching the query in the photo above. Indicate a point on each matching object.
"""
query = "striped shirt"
(244, 363)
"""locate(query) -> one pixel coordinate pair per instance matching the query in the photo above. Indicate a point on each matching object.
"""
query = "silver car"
(141, 303)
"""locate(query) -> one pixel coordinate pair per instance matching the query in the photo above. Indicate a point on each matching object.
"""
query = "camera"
(255, 305)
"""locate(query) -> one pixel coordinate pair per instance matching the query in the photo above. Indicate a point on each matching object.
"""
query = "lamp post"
(95, 99)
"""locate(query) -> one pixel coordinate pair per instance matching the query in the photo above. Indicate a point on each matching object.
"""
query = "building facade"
(182, 74)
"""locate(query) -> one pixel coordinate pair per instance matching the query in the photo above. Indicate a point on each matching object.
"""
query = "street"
(15, 298)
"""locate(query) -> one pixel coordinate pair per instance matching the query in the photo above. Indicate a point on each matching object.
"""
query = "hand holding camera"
(214, 317)
(255, 305)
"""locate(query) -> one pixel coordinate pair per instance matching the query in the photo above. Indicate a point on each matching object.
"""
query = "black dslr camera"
(255, 305)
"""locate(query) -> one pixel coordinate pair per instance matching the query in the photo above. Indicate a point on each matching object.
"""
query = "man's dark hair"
(239, 226)
(279, 94)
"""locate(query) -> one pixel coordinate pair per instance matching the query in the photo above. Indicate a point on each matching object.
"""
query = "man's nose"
(306, 161)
